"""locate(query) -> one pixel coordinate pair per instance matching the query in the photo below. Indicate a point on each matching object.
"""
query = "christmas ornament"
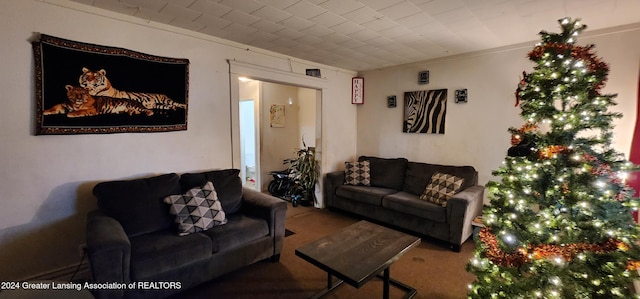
(521, 86)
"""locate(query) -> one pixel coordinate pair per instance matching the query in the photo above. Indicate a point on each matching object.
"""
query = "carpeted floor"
(432, 268)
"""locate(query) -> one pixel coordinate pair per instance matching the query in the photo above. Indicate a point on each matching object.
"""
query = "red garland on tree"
(528, 127)
(522, 256)
(583, 53)
(550, 151)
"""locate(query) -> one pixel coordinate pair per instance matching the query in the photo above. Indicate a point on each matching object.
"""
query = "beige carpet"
(432, 268)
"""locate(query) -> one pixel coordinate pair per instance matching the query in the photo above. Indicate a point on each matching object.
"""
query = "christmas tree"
(559, 223)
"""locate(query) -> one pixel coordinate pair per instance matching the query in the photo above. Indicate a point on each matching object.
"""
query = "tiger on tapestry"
(80, 103)
(98, 84)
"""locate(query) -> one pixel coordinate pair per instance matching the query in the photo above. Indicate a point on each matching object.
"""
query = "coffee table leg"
(387, 281)
(330, 286)
(385, 287)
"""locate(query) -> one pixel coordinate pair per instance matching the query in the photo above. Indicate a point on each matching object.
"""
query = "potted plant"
(303, 172)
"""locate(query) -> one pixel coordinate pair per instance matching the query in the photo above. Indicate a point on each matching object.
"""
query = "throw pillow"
(197, 210)
(357, 173)
(442, 188)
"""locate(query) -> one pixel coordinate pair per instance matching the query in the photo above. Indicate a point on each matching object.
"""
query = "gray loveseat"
(393, 198)
(132, 237)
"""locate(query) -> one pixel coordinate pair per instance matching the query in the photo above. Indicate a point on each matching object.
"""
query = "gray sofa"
(132, 237)
(393, 198)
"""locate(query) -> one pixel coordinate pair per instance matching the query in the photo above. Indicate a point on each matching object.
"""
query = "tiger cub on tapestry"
(80, 103)
(98, 84)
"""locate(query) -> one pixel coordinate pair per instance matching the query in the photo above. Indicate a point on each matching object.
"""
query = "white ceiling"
(368, 34)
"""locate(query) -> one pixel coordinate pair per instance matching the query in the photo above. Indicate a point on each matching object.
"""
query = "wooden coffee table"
(357, 253)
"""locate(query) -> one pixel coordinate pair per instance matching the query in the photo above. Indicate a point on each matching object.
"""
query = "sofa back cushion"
(138, 204)
(386, 172)
(226, 182)
(419, 174)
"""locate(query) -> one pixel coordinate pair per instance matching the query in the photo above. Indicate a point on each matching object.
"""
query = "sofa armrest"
(461, 210)
(108, 248)
(269, 208)
(332, 182)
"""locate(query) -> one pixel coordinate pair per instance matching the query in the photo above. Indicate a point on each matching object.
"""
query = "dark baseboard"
(65, 273)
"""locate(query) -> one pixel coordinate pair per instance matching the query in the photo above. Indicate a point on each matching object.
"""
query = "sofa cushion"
(441, 188)
(369, 195)
(419, 174)
(138, 204)
(240, 229)
(408, 203)
(386, 172)
(227, 183)
(197, 210)
(163, 251)
(357, 173)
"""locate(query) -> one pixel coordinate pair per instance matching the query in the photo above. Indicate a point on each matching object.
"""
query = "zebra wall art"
(425, 111)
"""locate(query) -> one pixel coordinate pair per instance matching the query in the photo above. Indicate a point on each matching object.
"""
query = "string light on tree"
(559, 224)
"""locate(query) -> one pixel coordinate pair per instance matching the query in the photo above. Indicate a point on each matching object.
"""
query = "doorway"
(316, 86)
(248, 141)
(275, 120)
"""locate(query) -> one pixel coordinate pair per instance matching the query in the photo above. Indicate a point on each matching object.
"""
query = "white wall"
(46, 181)
(476, 132)
(307, 117)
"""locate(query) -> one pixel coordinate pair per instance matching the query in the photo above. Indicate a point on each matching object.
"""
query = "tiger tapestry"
(74, 96)
(425, 111)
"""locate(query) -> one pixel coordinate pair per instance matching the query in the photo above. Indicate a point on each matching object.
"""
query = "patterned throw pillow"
(197, 210)
(357, 173)
(442, 188)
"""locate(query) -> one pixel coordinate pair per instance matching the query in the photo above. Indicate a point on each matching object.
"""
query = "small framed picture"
(461, 95)
(423, 77)
(391, 101)
(357, 90)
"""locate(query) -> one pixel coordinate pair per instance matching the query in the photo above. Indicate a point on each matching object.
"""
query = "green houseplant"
(303, 172)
